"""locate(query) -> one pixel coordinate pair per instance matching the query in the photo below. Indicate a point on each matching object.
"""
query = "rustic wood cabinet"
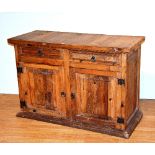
(88, 81)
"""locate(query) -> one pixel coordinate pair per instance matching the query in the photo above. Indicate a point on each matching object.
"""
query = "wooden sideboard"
(88, 81)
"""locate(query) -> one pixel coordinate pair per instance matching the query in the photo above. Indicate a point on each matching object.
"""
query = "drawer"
(40, 52)
(96, 58)
(40, 55)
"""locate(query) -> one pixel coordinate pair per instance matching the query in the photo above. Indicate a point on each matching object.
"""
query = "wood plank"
(122, 92)
(79, 40)
(41, 66)
(43, 61)
(95, 66)
(99, 72)
(112, 98)
(16, 54)
(67, 82)
(15, 129)
(138, 74)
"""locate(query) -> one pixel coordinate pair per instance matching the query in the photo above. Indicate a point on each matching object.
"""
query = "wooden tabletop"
(15, 129)
(78, 39)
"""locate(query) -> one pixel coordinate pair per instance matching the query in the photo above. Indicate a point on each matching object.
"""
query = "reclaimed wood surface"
(79, 40)
(88, 81)
(15, 129)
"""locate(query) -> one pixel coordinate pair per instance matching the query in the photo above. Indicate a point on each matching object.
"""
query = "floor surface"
(14, 129)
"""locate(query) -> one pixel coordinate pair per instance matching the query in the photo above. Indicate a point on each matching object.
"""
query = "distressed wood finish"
(42, 87)
(88, 81)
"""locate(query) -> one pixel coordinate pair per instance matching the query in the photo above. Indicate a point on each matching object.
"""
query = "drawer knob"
(93, 59)
(40, 52)
(34, 110)
(72, 95)
(63, 94)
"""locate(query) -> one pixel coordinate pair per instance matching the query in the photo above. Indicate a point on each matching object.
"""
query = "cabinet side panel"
(132, 98)
(138, 74)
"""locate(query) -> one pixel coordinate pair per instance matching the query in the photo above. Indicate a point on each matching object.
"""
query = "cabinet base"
(72, 123)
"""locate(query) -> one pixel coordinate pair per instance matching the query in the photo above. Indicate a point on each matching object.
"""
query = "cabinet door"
(42, 89)
(93, 96)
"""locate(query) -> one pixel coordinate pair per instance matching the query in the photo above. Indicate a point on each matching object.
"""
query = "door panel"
(92, 94)
(92, 99)
(42, 89)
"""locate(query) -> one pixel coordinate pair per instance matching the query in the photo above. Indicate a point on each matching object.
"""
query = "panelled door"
(93, 96)
(42, 89)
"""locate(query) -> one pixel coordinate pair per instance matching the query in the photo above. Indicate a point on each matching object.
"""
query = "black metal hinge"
(19, 70)
(23, 104)
(121, 81)
(120, 120)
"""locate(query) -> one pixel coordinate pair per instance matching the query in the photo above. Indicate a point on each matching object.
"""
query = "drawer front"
(96, 58)
(40, 52)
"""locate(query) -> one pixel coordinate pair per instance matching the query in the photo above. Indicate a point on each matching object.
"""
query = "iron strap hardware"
(19, 69)
(23, 104)
(120, 120)
(121, 81)
(93, 59)
(40, 52)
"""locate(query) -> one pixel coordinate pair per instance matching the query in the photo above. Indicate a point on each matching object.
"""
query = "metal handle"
(93, 59)
(40, 52)
(63, 94)
(72, 95)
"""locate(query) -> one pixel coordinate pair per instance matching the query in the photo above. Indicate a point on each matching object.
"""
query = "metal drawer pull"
(93, 59)
(40, 52)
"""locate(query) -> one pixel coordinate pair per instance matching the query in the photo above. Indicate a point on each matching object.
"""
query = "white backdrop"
(134, 17)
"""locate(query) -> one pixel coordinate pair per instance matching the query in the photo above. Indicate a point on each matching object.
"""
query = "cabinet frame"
(93, 56)
(116, 119)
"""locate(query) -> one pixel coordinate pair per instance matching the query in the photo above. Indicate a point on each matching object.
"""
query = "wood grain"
(78, 40)
(90, 94)
(41, 87)
(80, 80)
(14, 129)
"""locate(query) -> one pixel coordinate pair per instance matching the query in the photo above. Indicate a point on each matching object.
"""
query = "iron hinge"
(23, 104)
(121, 81)
(120, 120)
(19, 70)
